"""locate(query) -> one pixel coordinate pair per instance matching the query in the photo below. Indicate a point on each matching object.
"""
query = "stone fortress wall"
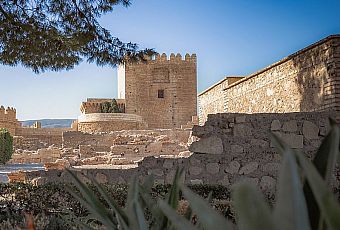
(231, 147)
(211, 100)
(308, 80)
(36, 138)
(8, 119)
(162, 91)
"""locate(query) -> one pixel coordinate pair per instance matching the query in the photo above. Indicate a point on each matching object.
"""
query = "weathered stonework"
(306, 81)
(303, 82)
(211, 100)
(8, 119)
(107, 122)
(257, 163)
(162, 91)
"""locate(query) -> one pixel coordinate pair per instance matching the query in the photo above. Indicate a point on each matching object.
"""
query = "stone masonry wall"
(232, 147)
(107, 122)
(211, 101)
(306, 81)
(105, 141)
(8, 119)
(33, 138)
(176, 77)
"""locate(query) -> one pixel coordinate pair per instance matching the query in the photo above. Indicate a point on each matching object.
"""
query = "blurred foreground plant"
(303, 200)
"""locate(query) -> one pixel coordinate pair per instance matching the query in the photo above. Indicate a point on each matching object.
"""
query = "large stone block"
(236, 149)
(242, 130)
(249, 168)
(295, 141)
(290, 126)
(213, 168)
(212, 145)
(310, 130)
(233, 167)
(193, 170)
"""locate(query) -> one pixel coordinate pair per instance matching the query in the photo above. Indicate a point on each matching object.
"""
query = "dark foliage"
(6, 146)
(52, 201)
(59, 34)
(110, 107)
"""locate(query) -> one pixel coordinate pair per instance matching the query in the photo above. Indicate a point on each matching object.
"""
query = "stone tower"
(163, 91)
(8, 119)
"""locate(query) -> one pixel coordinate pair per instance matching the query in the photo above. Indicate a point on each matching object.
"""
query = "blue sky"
(229, 38)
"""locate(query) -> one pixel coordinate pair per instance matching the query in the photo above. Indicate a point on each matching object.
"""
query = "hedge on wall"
(110, 107)
(6, 146)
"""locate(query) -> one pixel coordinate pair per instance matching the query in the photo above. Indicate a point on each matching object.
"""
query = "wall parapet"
(322, 41)
(172, 57)
(106, 117)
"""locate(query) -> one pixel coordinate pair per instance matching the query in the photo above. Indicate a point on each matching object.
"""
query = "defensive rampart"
(306, 81)
(232, 147)
(8, 119)
(36, 138)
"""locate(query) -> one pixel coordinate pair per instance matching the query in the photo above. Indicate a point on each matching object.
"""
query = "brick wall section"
(211, 101)
(232, 147)
(178, 79)
(306, 81)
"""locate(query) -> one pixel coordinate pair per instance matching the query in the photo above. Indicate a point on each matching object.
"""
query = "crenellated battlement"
(8, 119)
(9, 113)
(172, 58)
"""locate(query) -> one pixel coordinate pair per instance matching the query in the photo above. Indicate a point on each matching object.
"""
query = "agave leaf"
(290, 210)
(124, 220)
(91, 202)
(328, 204)
(135, 211)
(172, 197)
(148, 183)
(207, 216)
(252, 209)
(324, 162)
(328, 153)
(179, 222)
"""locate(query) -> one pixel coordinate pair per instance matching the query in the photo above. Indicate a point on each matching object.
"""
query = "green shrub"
(110, 107)
(6, 146)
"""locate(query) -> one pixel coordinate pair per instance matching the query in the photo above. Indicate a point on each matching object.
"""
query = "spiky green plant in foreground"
(303, 200)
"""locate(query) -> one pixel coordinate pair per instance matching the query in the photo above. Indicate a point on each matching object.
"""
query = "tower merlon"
(178, 57)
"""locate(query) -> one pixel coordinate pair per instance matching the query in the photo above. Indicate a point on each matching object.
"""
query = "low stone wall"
(107, 122)
(36, 138)
(41, 156)
(232, 147)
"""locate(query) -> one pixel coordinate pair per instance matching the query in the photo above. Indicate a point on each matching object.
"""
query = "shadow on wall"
(314, 72)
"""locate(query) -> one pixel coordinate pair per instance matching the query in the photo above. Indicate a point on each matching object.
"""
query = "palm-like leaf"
(253, 211)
